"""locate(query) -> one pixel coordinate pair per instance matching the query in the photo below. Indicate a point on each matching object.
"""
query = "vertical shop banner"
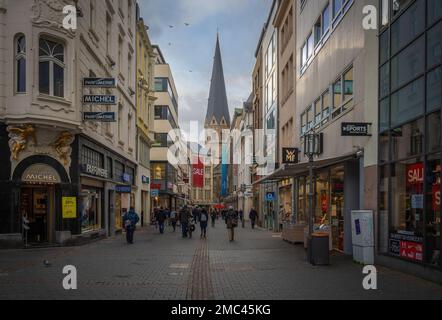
(198, 173)
(436, 197)
(224, 171)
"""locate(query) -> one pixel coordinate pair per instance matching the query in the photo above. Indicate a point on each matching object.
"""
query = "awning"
(293, 170)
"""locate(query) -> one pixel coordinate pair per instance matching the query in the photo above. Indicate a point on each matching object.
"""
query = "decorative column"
(2, 52)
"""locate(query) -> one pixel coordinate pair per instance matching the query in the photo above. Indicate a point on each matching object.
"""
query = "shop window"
(383, 208)
(159, 171)
(433, 213)
(408, 26)
(90, 208)
(434, 46)
(407, 140)
(92, 157)
(337, 5)
(434, 83)
(434, 11)
(51, 68)
(337, 213)
(326, 106)
(407, 204)
(302, 198)
(433, 133)
(408, 103)
(408, 64)
(322, 198)
(20, 64)
(119, 171)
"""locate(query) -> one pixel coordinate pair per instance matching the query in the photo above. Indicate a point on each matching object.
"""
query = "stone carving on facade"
(49, 14)
(19, 139)
(62, 147)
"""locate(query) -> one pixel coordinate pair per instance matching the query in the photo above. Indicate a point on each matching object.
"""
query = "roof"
(218, 107)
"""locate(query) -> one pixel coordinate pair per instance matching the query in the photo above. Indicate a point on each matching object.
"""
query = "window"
(337, 94)
(434, 99)
(408, 64)
(318, 112)
(326, 105)
(20, 64)
(310, 46)
(384, 115)
(303, 123)
(120, 55)
(161, 84)
(271, 123)
(162, 140)
(326, 19)
(408, 103)
(318, 30)
(119, 171)
(408, 26)
(433, 132)
(384, 80)
(304, 55)
(129, 69)
(384, 47)
(310, 118)
(159, 171)
(92, 14)
(92, 157)
(120, 122)
(434, 46)
(348, 85)
(161, 112)
(434, 11)
(337, 5)
(408, 140)
(51, 68)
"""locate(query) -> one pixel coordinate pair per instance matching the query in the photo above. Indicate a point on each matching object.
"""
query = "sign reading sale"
(198, 173)
(415, 174)
(436, 197)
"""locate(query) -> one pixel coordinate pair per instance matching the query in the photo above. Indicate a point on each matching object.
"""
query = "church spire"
(218, 107)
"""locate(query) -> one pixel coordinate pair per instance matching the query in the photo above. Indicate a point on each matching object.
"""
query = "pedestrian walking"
(155, 217)
(184, 220)
(161, 219)
(130, 220)
(204, 219)
(253, 215)
(232, 222)
(241, 217)
(173, 219)
(213, 216)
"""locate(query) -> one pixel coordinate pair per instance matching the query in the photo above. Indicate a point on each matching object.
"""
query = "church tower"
(217, 119)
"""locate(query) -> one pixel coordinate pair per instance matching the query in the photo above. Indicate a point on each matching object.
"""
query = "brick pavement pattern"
(258, 265)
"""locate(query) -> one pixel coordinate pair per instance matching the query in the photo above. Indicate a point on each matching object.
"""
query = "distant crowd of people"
(188, 218)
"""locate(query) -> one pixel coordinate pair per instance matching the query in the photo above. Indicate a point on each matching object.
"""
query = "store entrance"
(35, 204)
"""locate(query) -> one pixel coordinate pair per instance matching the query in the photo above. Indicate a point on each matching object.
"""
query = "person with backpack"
(204, 219)
(231, 222)
(130, 220)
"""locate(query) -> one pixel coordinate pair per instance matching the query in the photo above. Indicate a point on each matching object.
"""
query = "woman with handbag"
(232, 223)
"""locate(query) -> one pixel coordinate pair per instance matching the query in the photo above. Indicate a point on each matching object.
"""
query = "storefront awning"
(293, 170)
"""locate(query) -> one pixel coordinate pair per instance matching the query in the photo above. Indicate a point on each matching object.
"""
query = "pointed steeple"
(218, 108)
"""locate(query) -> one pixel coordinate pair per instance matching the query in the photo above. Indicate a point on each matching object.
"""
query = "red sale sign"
(198, 173)
(436, 197)
(415, 174)
(412, 251)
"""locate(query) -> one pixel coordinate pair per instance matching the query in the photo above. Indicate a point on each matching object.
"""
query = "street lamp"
(312, 147)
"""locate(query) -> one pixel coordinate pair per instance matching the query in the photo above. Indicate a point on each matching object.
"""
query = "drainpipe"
(2, 56)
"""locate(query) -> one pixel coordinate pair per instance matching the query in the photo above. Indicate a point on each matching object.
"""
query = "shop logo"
(70, 280)
(370, 281)
(95, 171)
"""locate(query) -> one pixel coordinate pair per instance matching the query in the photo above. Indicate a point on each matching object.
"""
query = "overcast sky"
(190, 49)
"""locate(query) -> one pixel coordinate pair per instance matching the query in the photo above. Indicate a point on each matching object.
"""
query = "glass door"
(337, 207)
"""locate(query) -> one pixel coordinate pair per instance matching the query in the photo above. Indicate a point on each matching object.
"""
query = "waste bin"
(319, 249)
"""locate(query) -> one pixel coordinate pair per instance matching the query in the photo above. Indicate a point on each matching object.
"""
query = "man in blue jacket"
(130, 221)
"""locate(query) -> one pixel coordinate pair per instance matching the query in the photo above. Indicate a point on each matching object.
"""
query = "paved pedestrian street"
(259, 265)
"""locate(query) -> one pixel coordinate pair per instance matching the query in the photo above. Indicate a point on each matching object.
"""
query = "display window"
(90, 209)
(433, 214)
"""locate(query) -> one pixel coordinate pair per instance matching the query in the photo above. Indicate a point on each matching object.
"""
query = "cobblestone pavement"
(259, 265)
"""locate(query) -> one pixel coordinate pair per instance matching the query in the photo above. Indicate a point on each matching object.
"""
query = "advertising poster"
(69, 207)
(198, 173)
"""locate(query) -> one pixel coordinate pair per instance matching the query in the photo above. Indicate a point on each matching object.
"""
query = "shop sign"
(417, 201)
(100, 99)
(415, 174)
(290, 155)
(270, 196)
(355, 129)
(155, 193)
(395, 247)
(99, 116)
(69, 207)
(41, 173)
(411, 250)
(95, 171)
(436, 197)
(123, 189)
(127, 177)
(198, 173)
(145, 180)
(100, 82)
(406, 236)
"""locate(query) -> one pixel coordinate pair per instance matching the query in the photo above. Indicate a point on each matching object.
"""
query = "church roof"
(218, 107)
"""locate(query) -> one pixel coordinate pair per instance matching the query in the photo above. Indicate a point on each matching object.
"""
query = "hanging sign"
(99, 116)
(105, 99)
(100, 82)
(290, 155)
(350, 129)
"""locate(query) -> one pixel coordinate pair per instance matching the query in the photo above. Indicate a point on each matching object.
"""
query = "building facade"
(409, 211)
(164, 174)
(145, 118)
(63, 172)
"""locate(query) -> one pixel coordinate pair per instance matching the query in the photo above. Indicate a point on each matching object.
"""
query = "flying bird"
(171, 26)
(187, 24)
